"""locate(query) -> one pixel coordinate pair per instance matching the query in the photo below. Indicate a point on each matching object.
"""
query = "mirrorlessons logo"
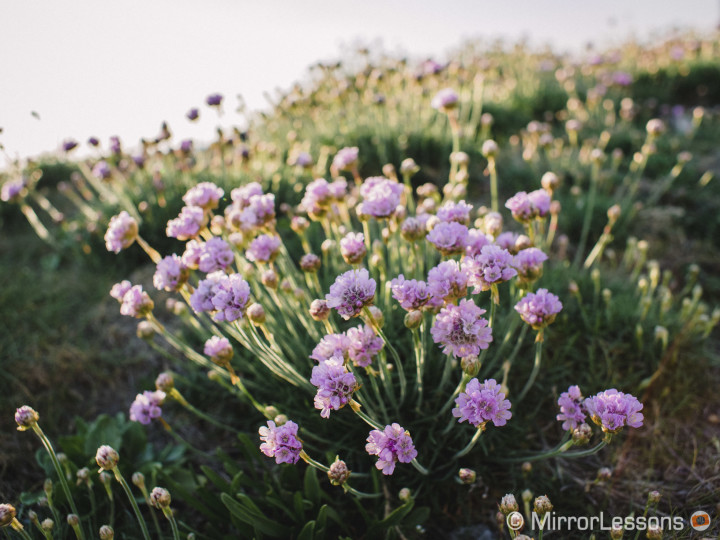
(551, 521)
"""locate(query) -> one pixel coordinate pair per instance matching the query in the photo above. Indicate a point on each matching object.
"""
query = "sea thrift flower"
(12, 190)
(26, 417)
(540, 200)
(338, 473)
(448, 238)
(102, 170)
(206, 195)
(351, 291)
(447, 281)
(191, 256)
(264, 248)
(506, 240)
(281, 442)
(218, 349)
(445, 100)
(612, 410)
(146, 406)
(202, 298)
(170, 273)
(331, 345)
(214, 100)
(411, 293)
(115, 145)
(107, 458)
(413, 229)
(231, 297)
(262, 208)
(335, 385)
(317, 198)
(319, 310)
(460, 330)
(193, 114)
(121, 233)
(476, 240)
(539, 309)
(352, 247)
(521, 207)
(69, 145)
(363, 345)
(119, 289)
(571, 412)
(492, 266)
(391, 445)
(529, 264)
(241, 196)
(381, 196)
(482, 403)
(302, 159)
(216, 255)
(136, 302)
(458, 212)
(188, 224)
(346, 158)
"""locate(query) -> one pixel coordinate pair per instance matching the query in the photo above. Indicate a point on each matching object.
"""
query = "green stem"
(369, 421)
(533, 373)
(18, 528)
(58, 469)
(173, 524)
(360, 494)
(419, 364)
(469, 445)
(398, 363)
(180, 399)
(590, 205)
(133, 502)
(493, 184)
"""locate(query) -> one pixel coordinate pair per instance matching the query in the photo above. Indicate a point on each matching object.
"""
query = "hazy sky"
(90, 67)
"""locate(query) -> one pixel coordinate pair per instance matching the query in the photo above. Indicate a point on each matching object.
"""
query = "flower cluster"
(411, 293)
(461, 330)
(146, 406)
(359, 344)
(121, 233)
(134, 302)
(281, 442)
(493, 266)
(381, 196)
(391, 445)
(612, 410)
(571, 410)
(482, 403)
(335, 385)
(528, 206)
(539, 309)
(351, 292)
(170, 273)
(227, 295)
(449, 237)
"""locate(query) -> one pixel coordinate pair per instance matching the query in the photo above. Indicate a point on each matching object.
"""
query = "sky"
(97, 68)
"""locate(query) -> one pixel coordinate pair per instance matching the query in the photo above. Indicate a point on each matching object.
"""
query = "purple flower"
(264, 248)
(492, 266)
(281, 442)
(529, 264)
(231, 296)
(241, 196)
(262, 208)
(218, 349)
(381, 196)
(506, 240)
(191, 255)
(214, 100)
(460, 330)
(521, 207)
(364, 345)
(69, 144)
(540, 199)
(121, 233)
(458, 212)
(201, 298)
(539, 309)
(612, 410)
(119, 289)
(329, 346)
(302, 159)
(12, 190)
(338, 188)
(476, 240)
(448, 238)
(445, 99)
(206, 195)
(351, 292)
(216, 255)
(102, 170)
(346, 158)
(571, 410)
(139, 160)
(317, 197)
(93, 141)
(136, 302)
(391, 445)
(147, 406)
(447, 281)
(482, 403)
(352, 247)
(335, 385)
(411, 293)
(622, 78)
(188, 224)
(170, 273)
(115, 145)
(413, 229)
(193, 114)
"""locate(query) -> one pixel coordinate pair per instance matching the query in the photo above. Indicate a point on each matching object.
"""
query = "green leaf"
(215, 478)
(248, 512)
(312, 486)
(307, 532)
(392, 520)
(418, 516)
(104, 430)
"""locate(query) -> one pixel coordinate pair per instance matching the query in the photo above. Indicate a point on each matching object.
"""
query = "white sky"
(92, 67)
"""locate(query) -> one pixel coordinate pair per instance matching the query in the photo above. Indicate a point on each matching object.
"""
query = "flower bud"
(26, 417)
(338, 473)
(48, 524)
(489, 149)
(467, 476)
(286, 286)
(655, 127)
(508, 504)
(616, 533)
(527, 496)
(145, 330)
(83, 476)
(460, 158)
(404, 494)
(165, 382)
(280, 419)
(299, 224)
(319, 310)
(413, 319)
(597, 156)
(73, 520)
(604, 474)
(409, 167)
(521, 242)
(388, 171)
(48, 488)
(550, 181)
(269, 278)
(377, 316)
(654, 532)
(256, 314)
(107, 458)
(138, 479)
(526, 467)
(542, 505)
(493, 223)
(106, 532)
(654, 497)
(160, 497)
(470, 365)
(7, 514)
(582, 434)
(328, 245)
(310, 262)
(613, 213)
